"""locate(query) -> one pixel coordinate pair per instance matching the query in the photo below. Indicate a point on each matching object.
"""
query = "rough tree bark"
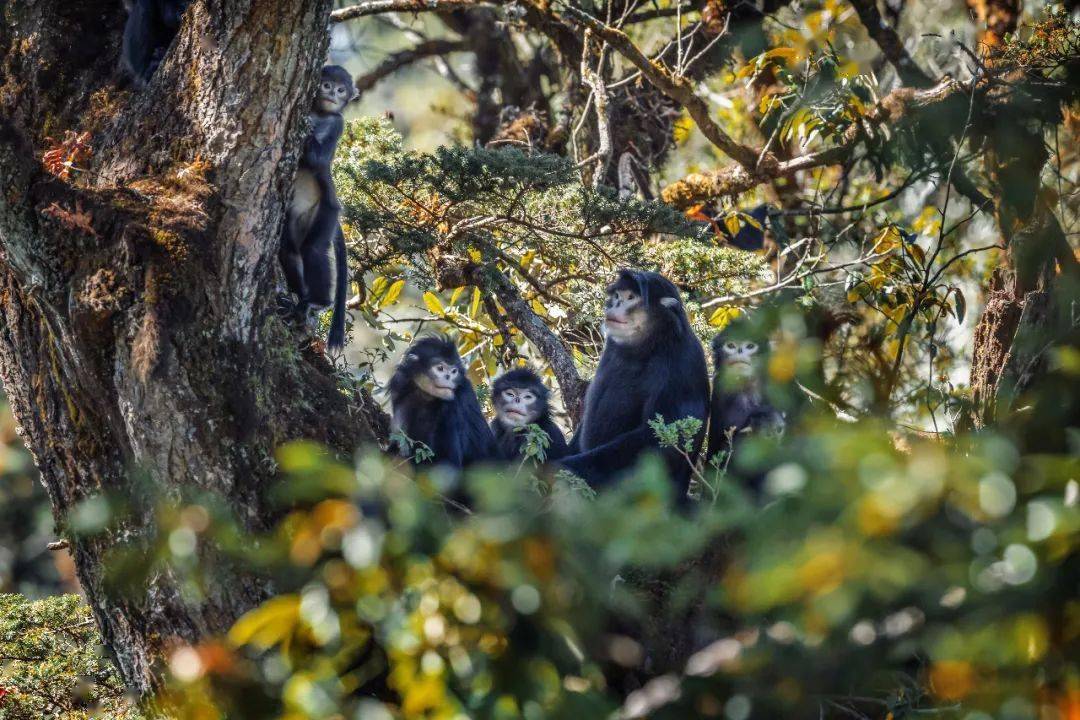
(137, 294)
(1023, 314)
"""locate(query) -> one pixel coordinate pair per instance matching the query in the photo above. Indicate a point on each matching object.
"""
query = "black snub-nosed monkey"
(312, 249)
(520, 398)
(434, 403)
(652, 364)
(739, 406)
(150, 29)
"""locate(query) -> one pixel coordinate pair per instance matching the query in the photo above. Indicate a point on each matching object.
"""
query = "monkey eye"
(528, 397)
(729, 345)
(326, 86)
(751, 346)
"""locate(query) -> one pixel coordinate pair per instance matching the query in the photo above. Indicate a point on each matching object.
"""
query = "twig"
(376, 7)
(595, 81)
(404, 58)
(677, 88)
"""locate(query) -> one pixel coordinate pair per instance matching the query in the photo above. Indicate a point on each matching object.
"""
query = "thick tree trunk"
(138, 293)
(1023, 315)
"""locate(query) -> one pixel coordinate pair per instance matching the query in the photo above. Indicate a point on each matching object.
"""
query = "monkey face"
(334, 94)
(517, 407)
(440, 379)
(740, 357)
(625, 316)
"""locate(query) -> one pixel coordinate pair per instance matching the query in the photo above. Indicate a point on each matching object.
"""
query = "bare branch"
(377, 7)
(676, 87)
(892, 47)
(893, 108)
(549, 345)
(426, 49)
(594, 80)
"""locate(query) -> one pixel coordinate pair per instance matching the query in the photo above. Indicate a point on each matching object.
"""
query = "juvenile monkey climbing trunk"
(137, 289)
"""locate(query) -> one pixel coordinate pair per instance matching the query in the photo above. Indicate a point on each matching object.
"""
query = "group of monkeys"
(312, 250)
(652, 364)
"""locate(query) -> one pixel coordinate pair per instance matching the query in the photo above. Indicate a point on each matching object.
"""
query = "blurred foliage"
(26, 525)
(880, 574)
(52, 664)
(875, 578)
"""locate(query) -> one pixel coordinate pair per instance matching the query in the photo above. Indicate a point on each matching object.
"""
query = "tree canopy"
(886, 194)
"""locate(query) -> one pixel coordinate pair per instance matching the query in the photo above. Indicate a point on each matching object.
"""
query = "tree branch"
(676, 87)
(377, 7)
(398, 60)
(892, 47)
(540, 335)
(890, 110)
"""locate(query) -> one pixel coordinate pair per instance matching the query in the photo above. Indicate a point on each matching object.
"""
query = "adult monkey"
(739, 407)
(312, 251)
(652, 364)
(520, 398)
(150, 29)
(434, 403)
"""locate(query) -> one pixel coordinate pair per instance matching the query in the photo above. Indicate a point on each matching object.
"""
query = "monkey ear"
(355, 94)
(669, 302)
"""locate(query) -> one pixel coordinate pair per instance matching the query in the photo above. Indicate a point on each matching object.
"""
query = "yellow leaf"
(433, 303)
(785, 53)
(268, 624)
(750, 220)
(424, 694)
(527, 259)
(724, 315)
(732, 223)
(848, 70)
(917, 253)
(378, 285)
(475, 302)
(682, 128)
(392, 294)
(766, 103)
(538, 307)
(456, 294)
(474, 255)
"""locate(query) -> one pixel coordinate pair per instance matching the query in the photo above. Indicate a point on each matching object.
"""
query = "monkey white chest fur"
(305, 201)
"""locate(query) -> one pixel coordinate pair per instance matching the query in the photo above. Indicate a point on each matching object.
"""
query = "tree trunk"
(138, 293)
(1023, 314)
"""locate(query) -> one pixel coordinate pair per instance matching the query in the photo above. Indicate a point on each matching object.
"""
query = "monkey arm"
(603, 464)
(322, 142)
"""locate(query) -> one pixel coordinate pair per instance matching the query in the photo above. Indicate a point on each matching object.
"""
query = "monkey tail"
(336, 340)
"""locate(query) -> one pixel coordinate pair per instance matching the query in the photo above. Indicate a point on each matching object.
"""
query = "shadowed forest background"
(198, 518)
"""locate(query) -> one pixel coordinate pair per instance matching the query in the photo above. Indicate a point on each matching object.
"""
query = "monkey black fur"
(652, 364)
(739, 407)
(749, 237)
(434, 403)
(520, 398)
(312, 249)
(150, 29)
